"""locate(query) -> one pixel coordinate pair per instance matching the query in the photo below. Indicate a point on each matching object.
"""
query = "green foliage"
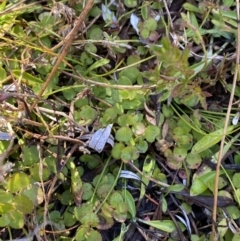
(235, 180)
(210, 140)
(130, 4)
(174, 61)
(165, 225)
(30, 155)
(40, 171)
(119, 71)
(95, 33)
(124, 134)
(84, 234)
(197, 187)
(151, 133)
(17, 182)
(27, 78)
(20, 200)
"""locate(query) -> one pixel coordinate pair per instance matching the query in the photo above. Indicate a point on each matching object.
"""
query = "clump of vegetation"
(113, 120)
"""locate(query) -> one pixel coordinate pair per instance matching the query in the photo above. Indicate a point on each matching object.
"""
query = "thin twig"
(68, 41)
(214, 215)
(168, 14)
(46, 137)
(42, 109)
(149, 178)
(54, 181)
(119, 87)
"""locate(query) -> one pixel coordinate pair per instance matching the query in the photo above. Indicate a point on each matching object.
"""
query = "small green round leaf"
(87, 115)
(81, 233)
(86, 59)
(90, 47)
(80, 212)
(94, 235)
(95, 11)
(55, 216)
(110, 114)
(233, 212)
(179, 153)
(184, 139)
(117, 150)
(95, 33)
(30, 155)
(121, 216)
(151, 133)
(130, 73)
(183, 124)
(124, 134)
(150, 24)
(66, 198)
(123, 80)
(34, 193)
(132, 104)
(4, 220)
(129, 153)
(5, 208)
(69, 94)
(133, 59)
(17, 182)
(126, 120)
(92, 161)
(46, 19)
(122, 208)
(36, 170)
(190, 100)
(16, 219)
(115, 199)
(193, 160)
(23, 204)
(103, 190)
(178, 131)
(90, 219)
(5, 197)
(81, 102)
(87, 191)
(142, 146)
(145, 33)
(125, 95)
(167, 111)
(68, 217)
(139, 129)
(173, 163)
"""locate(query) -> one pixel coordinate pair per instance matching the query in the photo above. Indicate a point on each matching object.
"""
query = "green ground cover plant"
(119, 120)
